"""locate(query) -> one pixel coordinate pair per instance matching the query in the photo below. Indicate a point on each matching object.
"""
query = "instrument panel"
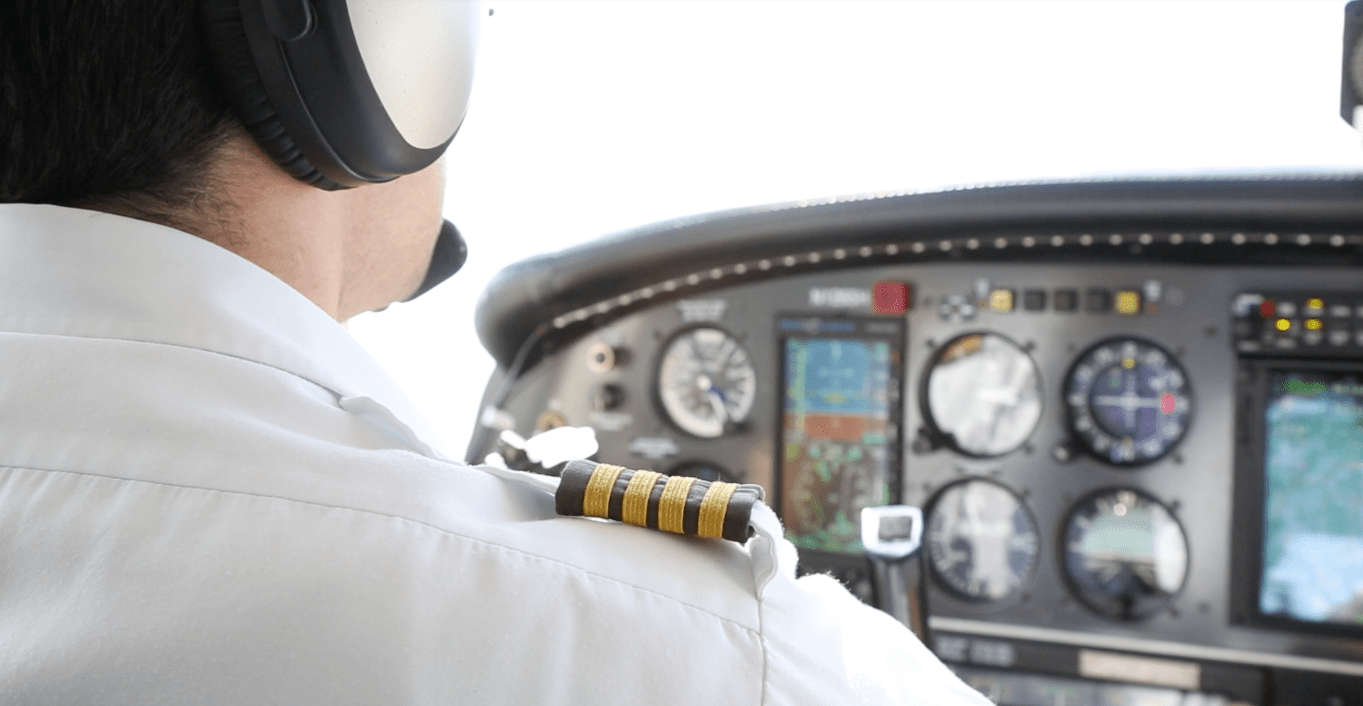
(1078, 432)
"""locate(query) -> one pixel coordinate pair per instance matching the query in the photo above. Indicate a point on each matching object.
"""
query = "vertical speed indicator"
(1128, 400)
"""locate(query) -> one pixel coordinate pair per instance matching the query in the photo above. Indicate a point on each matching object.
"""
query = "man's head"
(108, 103)
(118, 105)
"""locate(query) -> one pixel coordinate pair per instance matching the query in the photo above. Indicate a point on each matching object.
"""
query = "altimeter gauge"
(1125, 554)
(1129, 401)
(706, 382)
(982, 543)
(983, 394)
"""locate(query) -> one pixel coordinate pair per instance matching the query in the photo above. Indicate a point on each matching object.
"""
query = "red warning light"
(890, 298)
(1268, 309)
(1167, 402)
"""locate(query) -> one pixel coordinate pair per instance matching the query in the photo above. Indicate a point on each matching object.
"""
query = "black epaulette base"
(676, 504)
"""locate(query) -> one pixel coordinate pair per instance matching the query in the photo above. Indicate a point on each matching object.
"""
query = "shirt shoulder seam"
(756, 632)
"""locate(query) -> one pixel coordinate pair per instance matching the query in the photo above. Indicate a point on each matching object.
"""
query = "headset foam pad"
(231, 55)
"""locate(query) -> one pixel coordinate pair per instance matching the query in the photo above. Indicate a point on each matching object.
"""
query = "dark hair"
(107, 102)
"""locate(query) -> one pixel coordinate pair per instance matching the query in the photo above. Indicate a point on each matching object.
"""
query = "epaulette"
(676, 504)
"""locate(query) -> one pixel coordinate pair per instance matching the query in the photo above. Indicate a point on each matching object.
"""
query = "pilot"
(210, 494)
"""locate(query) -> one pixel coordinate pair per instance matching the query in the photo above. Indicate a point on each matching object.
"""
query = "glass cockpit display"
(839, 427)
(983, 395)
(1313, 497)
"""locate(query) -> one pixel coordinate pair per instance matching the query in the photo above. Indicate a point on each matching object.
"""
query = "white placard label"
(696, 310)
(840, 297)
(611, 421)
(654, 447)
(992, 653)
(1142, 670)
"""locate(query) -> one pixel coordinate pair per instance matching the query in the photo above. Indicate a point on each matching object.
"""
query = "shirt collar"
(72, 272)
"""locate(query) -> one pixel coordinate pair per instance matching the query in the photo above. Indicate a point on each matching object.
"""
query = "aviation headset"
(342, 93)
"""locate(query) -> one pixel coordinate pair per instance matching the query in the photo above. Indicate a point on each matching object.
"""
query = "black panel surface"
(1056, 269)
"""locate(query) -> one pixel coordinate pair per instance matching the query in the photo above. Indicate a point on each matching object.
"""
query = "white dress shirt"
(210, 494)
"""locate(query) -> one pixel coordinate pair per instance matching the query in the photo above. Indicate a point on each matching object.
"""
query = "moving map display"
(838, 430)
(1313, 499)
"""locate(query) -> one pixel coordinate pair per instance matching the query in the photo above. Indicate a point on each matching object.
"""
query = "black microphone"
(448, 256)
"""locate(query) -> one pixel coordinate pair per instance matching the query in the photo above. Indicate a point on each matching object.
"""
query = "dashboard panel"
(1131, 412)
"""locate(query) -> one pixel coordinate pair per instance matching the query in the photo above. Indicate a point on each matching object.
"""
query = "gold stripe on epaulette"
(683, 505)
(596, 501)
(634, 508)
(672, 505)
(713, 507)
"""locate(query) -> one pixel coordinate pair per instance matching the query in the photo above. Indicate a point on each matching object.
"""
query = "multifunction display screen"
(1313, 497)
(839, 427)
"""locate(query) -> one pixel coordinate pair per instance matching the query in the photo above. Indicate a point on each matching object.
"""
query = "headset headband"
(347, 92)
(343, 93)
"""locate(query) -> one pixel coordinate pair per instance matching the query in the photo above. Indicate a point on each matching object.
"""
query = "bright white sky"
(593, 117)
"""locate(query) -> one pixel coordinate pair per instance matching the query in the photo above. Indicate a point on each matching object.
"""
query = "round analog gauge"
(983, 394)
(706, 382)
(1128, 401)
(982, 543)
(1125, 554)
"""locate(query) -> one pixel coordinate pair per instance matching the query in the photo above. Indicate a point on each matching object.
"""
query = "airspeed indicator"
(706, 382)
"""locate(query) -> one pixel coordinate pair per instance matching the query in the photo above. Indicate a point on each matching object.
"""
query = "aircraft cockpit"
(1130, 413)
(1127, 409)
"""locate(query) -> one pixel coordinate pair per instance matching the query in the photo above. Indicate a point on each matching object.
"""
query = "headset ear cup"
(231, 56)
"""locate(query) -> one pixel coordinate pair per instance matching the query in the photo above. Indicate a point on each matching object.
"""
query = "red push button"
(890, 297)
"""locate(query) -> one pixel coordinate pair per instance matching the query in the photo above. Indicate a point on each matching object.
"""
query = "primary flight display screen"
(1313, 497)
(839, 427)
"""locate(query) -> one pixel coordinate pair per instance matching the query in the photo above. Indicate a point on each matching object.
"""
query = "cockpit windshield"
(589, 118)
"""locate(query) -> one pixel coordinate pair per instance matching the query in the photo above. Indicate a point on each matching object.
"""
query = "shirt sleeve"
(823, 646)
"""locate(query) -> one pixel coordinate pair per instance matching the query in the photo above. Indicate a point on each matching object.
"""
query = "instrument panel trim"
(1270, 219)
(1141, 645)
